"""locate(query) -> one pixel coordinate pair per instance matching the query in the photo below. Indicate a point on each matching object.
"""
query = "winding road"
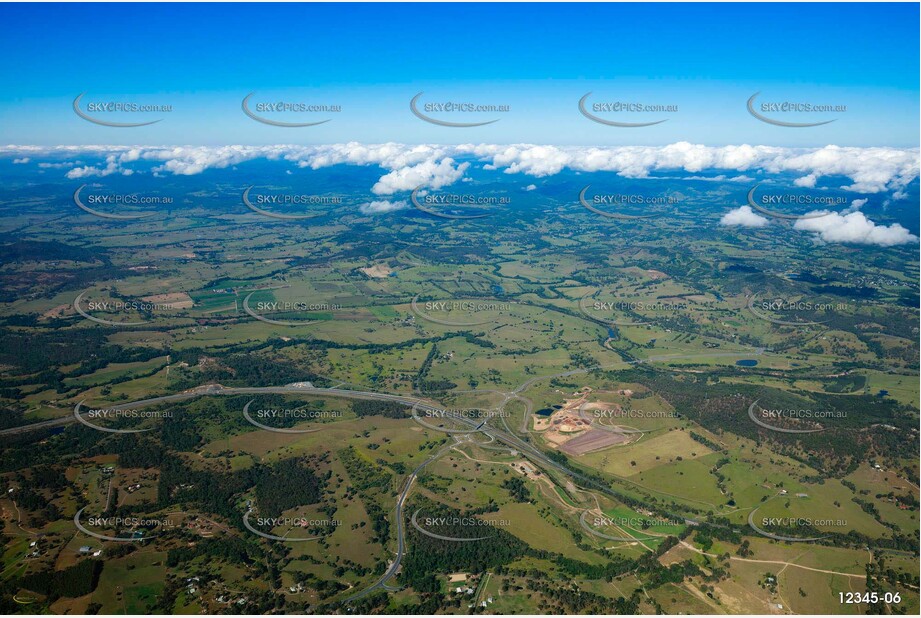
(401, 534)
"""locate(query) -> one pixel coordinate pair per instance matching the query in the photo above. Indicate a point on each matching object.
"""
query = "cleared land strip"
(791, 564)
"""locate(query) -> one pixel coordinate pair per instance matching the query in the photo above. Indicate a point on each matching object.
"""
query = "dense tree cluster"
(75, 581)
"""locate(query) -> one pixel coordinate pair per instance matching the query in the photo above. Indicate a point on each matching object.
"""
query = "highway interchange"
(503, 435)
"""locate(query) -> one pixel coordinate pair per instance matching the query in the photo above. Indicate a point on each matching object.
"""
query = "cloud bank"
(870, 170)
(406, 167)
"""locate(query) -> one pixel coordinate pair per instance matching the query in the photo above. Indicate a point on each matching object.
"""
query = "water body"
(746, 363)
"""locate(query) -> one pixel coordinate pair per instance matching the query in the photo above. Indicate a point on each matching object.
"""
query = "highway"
(506, 437)
(216, 389)
(401, 533)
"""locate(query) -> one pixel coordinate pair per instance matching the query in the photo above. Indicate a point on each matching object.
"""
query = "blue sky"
(539, 59)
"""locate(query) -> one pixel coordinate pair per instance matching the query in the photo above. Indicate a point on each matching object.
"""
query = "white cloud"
(381, 206)
(743, 216)
(185, 161)
(532, 160)
(21, 161)
(871, 170)
(741, 178)
(856, 205)
(390, 156)
(855, 228)
(112, 167)
(84, 172)
(806, 181)
(530, 187)
(428, 173)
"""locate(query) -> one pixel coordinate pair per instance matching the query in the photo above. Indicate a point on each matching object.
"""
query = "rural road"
(789, 564)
